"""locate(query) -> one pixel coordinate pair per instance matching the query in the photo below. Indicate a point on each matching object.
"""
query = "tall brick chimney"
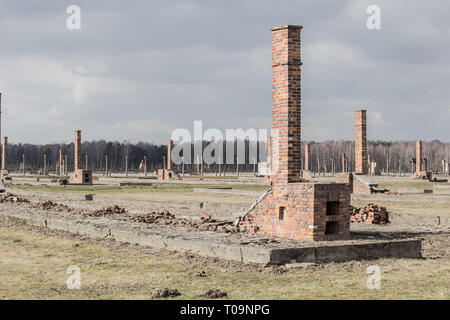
(61, 162)
(77, 151)
(169, 154)
(293, 208)
(419, 156)
(4, 152)
(286, 62)
(307, 161)
(361, 166)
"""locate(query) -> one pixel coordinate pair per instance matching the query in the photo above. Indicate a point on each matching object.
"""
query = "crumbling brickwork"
(361, 166)
(357, 184)
(164, 174)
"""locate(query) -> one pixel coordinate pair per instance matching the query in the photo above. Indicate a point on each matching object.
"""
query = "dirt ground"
(34, 261)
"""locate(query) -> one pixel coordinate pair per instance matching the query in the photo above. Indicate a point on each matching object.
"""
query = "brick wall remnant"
(164, 174)
(358, 184)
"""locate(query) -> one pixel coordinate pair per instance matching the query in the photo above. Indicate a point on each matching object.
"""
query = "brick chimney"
(419, 156)
(361, 166)
(4, 152)
(307, 161)
(77, 151)
(293, 208)
(61, 162)
(286, 62)
(169, 154)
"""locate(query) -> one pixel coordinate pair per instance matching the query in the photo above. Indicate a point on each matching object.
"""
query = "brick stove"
(293, 208)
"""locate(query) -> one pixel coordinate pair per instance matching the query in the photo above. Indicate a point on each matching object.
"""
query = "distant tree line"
(389, 156)
(96, 152)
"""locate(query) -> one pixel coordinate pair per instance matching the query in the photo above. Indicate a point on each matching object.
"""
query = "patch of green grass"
(421, 204)
(406, 186)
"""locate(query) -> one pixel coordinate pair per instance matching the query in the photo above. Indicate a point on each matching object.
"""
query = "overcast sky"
(137, 70)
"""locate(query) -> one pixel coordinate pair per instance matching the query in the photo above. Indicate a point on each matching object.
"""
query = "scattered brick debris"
(50, 205)
(206, 223)
(371, 213)
(165, 293)
(153, 217)
(12, 198)
(205, 218)
(213, 294)
(107, 211)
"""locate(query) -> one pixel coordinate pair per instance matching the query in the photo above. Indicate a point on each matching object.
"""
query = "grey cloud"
(137, 70)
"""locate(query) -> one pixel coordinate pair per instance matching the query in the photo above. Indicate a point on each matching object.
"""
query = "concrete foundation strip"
(222, 250)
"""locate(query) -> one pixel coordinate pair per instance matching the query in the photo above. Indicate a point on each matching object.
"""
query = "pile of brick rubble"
(371, 213)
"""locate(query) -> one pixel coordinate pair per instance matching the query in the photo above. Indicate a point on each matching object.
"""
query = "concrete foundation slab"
(218, 245)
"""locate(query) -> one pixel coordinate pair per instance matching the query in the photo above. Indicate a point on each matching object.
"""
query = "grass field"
(109, 189)
(411, 201)
(34, 261)
(33, 265)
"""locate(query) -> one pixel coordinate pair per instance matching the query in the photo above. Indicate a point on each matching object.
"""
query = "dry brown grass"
(33, 265)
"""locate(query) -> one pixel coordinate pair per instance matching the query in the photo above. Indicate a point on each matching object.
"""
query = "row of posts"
(62, 166)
